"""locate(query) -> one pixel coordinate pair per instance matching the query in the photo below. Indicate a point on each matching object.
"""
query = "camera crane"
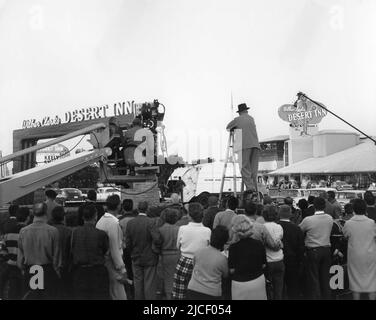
(109, 150)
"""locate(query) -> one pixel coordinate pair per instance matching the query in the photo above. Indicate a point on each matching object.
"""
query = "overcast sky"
(57, 56)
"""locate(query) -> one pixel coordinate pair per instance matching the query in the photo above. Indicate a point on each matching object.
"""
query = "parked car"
(345, 196)
(342, 185)
(317, 191)
(104, 192)
(68, 194)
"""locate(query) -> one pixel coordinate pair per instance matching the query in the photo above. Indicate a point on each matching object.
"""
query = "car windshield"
(112, 190)
(315, 193)
(289, 193)
(72, 192)
(351, 195)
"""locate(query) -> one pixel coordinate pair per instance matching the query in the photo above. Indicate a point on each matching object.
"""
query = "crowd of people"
(260, 251)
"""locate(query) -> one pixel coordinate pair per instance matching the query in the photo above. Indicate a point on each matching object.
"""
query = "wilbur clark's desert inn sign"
(117, 109)
(301, 114)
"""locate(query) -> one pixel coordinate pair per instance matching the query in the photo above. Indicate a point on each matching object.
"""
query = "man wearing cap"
(246, 145)
(293, 252)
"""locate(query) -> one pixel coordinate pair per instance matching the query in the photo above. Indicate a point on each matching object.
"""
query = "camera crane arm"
(25, 182)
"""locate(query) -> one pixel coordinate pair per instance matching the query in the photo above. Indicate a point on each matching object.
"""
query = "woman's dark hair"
(170, 215)
(270, 213)
(360, 206)
(303, 204)
(195, 211)
(58, 214)
(219, 237)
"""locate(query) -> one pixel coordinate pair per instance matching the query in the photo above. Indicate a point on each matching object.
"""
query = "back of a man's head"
(113, 202)
(92, 195)
(331, 195)
(319, 204)
(359, 206)
(349, 209)
(369, 198)
(51, 194)
(311, 199)
(175, 199)
(250, 208)
(58, 214)
(89, 213)
(195, 211)
(143, 206)
(40, 210)
(232, 203)
(289, 201)
(71, 219)
(324, 195)
(270, 213)
(13, 208)
(127, 205)
(212, 201)
(267, 200)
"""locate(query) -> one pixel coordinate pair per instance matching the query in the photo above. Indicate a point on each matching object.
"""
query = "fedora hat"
(242, 107)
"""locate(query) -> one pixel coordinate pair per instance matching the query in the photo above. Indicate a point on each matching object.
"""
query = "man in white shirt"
(191, 238)
(317, 229)
(114, 258)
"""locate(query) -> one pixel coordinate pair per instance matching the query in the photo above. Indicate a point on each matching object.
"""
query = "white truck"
(201, 180)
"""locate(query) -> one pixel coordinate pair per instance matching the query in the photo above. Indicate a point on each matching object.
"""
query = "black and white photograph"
(167, 152)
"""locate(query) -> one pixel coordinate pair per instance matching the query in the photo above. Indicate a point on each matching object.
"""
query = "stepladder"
(230, 157)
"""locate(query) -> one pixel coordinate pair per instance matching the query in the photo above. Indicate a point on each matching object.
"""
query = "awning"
(358, 159)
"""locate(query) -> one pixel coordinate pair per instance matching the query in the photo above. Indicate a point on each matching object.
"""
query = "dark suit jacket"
(293, 242)
(371, 212)
(143, 240)
(209, 215)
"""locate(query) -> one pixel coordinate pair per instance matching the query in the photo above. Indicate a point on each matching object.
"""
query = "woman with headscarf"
(247, 261)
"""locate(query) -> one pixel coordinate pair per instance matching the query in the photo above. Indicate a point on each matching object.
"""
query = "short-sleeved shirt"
(247, 257)
(317, 229)
(192, 237)
(210, 266)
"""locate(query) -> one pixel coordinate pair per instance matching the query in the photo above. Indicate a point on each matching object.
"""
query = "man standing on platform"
(246, 145)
